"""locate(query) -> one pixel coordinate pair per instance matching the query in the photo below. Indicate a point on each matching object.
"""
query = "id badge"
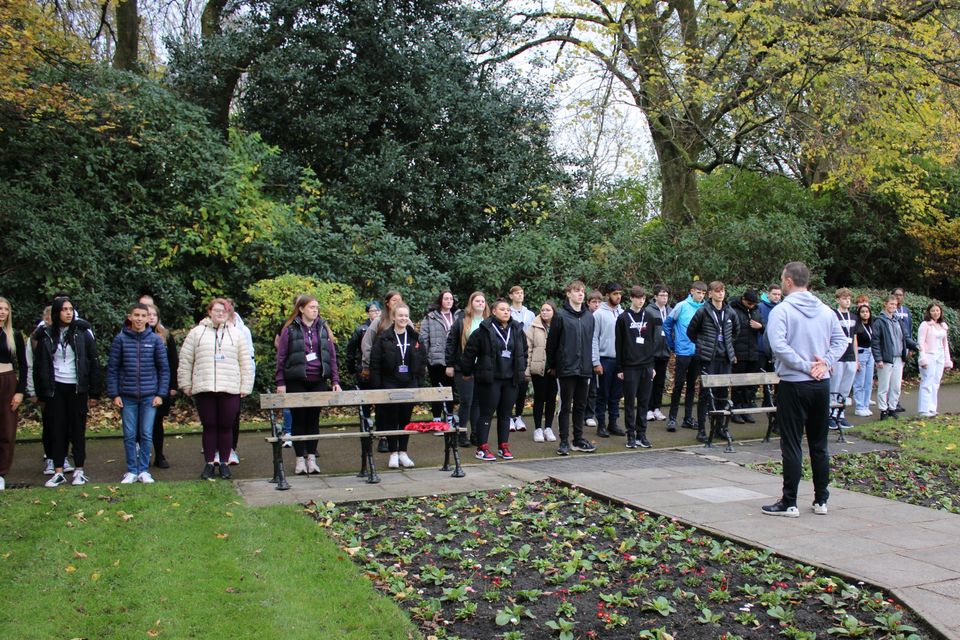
(403, 369)
(505, 353)
(720, 338)
(849, 340)
(639, 340)
(311, 357)
(220, 356)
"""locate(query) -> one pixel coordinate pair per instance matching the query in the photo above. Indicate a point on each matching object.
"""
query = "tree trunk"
(680, 197)
(128, 36)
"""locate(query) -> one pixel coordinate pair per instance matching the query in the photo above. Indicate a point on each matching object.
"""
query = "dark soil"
(506, 564)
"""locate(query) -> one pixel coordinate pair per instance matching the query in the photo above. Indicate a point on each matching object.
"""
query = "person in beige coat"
(215, 368)
(544, 384)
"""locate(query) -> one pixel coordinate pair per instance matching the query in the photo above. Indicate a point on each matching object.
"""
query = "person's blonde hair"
(160, 330)
(8, 327)
(468, 315)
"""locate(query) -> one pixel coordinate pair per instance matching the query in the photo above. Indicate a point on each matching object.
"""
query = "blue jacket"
(765, 308)
(675, 327)
(138, 366)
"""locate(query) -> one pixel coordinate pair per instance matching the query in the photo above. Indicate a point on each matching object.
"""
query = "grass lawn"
(177, 560)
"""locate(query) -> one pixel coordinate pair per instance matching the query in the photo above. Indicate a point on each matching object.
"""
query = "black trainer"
(701, 436)
(631, 442)
(899, 408)
(643, 442)
(671, 425)
(563, 449)
(225, 472)
(383, 446)
(748, 418)
(161, 462)
(601, 433)
(617, 431)
(778, 508)
(688, 423)
(208, 472)
(584, 445)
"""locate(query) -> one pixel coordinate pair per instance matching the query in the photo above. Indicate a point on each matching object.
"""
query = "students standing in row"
(65, 374)
(434, 329)
(661, 357)
(465, 324)
(524, 317)
(13, 384)
(544, 383)
(397, 361)
(609, 384)
(306, 362)
(138, 379)
(637, 330)
(216, 370)
(713, 329)
(686, 369)
(934, 350)
(496, 357)
(574, 357)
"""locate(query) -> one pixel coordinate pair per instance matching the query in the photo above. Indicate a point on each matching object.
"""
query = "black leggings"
(68, 422)
(497, 396)
(439, 378)
(637, 383)
(685, 372)
(718, 365)
(659, 382)
(544, 400)
(573, 400)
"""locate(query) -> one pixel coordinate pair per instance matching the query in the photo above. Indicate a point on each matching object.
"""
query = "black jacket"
(663, 349)
(571, 346)
(883, 339)
(745, 345)
(84, 347)
(482, 355)
(295, 365)
(646, 325)
(385, 361)
(702, 330)
(453, 351)
(353, 348)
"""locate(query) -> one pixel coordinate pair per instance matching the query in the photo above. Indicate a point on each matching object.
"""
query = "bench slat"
(354, 397)
(714, 380)
(359, 434)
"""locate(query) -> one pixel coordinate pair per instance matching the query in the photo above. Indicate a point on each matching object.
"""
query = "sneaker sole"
(783, 514)
(582, 450)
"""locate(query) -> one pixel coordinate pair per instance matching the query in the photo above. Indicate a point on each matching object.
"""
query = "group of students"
(591, 351)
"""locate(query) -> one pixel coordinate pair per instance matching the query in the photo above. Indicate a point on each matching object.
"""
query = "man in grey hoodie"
(806, 341)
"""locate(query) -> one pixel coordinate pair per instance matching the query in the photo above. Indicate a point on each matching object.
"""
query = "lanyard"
(634, 323)
(845, 322)
(718, 317)
(446, 323)
(308, 339)
(218, 337)
(663, 313)
(505, 338)
(402, 345)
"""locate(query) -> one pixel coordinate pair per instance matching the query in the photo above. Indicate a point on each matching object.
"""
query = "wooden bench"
(367, 434)
(720, 416)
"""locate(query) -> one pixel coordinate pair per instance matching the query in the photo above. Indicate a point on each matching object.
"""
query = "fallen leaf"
(71, 568)
(232, 590)
(94, 577)
(951, 446)
(153, 633)
(80, 555)
(352, 551)
(223, 536)
(228, 514)
(175, 504)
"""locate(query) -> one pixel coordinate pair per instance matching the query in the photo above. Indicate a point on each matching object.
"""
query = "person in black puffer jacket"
(397, 361)
(496, 355)
(745, 346)
(713, 328)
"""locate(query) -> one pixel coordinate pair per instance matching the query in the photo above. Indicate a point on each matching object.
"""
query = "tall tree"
(716, 80)
(128, 36)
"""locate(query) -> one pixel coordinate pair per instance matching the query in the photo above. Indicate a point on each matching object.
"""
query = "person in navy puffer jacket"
(138, 379)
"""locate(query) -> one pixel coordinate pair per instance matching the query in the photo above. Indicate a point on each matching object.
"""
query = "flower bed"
(546, 561)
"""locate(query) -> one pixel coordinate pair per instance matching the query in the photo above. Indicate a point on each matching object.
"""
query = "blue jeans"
(287, 422)
(863, 382)
(137, 416)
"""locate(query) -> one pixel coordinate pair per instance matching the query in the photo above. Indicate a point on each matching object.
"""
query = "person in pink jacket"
(934, 358)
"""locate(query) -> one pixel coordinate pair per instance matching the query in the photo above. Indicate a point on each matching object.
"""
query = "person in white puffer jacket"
(216, 369)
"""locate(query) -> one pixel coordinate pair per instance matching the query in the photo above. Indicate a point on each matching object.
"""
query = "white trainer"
(591, 422)
(538, 435)
(3, 484)
(128, 478)
(863, 413)
(548, 434)
(513, 424)
(659, 414)
(312, 466)
(79, 478)
(145, 477)
(820, 508)
(67, 467)
(48, 469)
(288, 444)
(651, 416)
(301, 467)
(234, 458)
(521, 425)
(394, 460)
(57, 480)
(405, 460)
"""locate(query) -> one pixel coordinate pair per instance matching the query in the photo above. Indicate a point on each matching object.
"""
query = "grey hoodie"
(800, 329)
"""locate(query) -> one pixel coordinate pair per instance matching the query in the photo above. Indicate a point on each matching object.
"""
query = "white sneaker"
(67, 467)
(394, 460)
(591, 422)
(848, 401)
(521, 425)
(301, 466)
(405, 460)
(216, 458)
(820, 509)
(79, 478)
(513, 424)
(145, 477)
(288, 444)
(863, 413)
(538, 435)
(312, 466)
(48, 469)
(548, 434)
(234, 458)
(659, 415)
(651, 416)
(3, 484)
(129, 478)
(873, 402)
(57, 480)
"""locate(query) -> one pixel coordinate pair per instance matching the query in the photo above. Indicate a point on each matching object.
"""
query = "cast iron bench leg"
(279, 478)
